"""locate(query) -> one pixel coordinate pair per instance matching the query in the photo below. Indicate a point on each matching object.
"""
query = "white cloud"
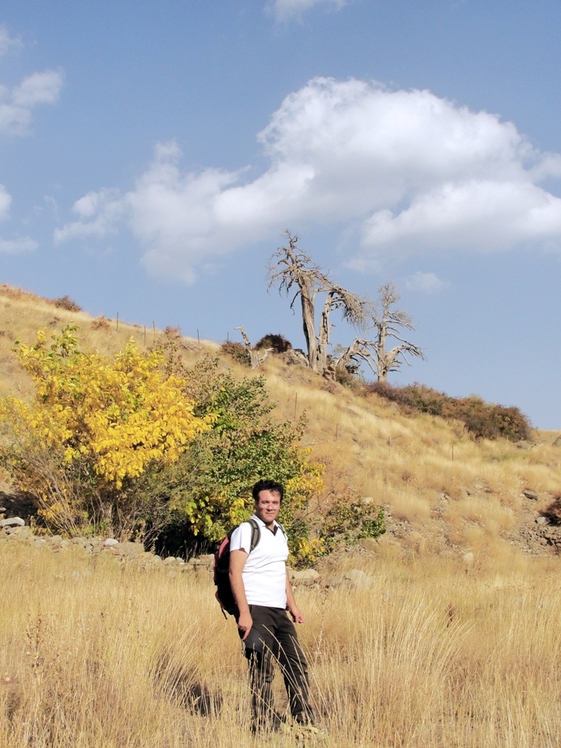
(5, 202)
(105, 208)
(7, 41)
(21, 243)
(17, 104)
(425, 282)
(406, 170)
(17, 246)
(287, 9)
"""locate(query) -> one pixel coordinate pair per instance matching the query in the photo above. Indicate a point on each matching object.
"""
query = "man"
(263, 594)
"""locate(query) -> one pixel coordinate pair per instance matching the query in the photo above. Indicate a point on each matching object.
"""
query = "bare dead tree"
(256, 357)
(388, 324)
(294, 272)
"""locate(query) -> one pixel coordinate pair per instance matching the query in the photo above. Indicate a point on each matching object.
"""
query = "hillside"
(445, 494)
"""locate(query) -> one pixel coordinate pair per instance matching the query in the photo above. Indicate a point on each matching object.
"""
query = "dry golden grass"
(443, 650)
(99, 653)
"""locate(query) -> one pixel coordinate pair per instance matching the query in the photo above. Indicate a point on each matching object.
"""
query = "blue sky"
(151, 155)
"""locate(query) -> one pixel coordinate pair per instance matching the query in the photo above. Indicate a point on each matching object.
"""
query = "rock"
(335, 582)
(12, 522)
(529, 494)
(294, 357)
(110, 543)
(468, 558)
(358, 578)
(22, 533)
(132, 550)
(306, 576)
(541, 521)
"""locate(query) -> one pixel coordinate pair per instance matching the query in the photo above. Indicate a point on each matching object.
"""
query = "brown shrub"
(483, 420)
(237, 351)
(101, 323)
(276, 341)
(65, 302)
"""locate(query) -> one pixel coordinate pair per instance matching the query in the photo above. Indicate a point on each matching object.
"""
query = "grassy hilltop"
(452, 641)
(445, 493)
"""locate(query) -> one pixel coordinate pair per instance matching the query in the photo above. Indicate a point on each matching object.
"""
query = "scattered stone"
(541, 521)
(529, 494)
(358, 578)
(110, 543)
(468, 558)
(12, 522)
(305, 577)
(335, 582)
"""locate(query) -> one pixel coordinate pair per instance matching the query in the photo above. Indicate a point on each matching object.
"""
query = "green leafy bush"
(350, 520)
(208, 490)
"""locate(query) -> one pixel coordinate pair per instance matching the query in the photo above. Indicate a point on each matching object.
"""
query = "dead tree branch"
(256, 357)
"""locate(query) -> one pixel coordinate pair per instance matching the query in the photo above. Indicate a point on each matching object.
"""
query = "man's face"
(267, 507)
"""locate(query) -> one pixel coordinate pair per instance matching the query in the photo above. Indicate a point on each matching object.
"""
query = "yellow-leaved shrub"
(94, 425)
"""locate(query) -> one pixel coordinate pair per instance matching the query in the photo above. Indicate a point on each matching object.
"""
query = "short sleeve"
(241, 538)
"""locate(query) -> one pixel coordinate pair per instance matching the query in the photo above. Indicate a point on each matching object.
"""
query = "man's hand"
(245, 622)
(296, 614)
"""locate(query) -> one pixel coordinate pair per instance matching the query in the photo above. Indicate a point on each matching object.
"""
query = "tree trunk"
(309, 325)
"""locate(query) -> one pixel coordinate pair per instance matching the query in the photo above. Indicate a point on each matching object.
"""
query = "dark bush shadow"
(179, 683)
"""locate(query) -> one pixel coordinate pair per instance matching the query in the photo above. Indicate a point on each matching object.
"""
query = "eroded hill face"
(444, 493)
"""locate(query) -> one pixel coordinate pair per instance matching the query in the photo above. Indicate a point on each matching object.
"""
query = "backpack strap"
(255, 534)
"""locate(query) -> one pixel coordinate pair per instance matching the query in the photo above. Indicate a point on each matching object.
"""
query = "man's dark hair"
(267, 485)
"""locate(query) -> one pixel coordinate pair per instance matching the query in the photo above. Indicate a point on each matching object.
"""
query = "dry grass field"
(101, 653)
(455, 643)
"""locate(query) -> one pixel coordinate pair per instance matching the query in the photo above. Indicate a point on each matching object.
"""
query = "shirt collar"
(262, 524)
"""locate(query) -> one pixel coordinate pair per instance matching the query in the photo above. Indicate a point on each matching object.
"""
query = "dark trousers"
(277, 640)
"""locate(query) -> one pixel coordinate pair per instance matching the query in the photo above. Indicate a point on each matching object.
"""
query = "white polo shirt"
(264, 573)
